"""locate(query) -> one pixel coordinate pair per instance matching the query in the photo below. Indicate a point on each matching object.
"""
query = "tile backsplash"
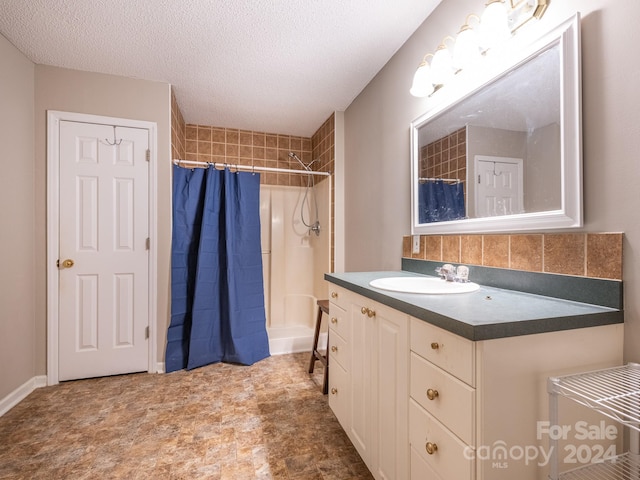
(595, 255)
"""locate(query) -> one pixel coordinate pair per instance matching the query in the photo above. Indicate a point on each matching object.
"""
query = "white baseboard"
(160, 367)
(20, 393)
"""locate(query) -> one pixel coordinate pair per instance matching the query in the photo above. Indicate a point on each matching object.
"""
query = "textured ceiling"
(278, 66)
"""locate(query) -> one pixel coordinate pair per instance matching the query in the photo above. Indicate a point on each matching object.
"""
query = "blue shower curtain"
(440, 201)
(217, 292)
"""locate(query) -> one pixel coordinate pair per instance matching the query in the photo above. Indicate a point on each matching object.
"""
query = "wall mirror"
(501, 149)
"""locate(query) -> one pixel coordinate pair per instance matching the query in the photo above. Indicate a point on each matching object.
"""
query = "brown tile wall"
(323, 142)
(205, 143)
(595, 255)
(177, 129)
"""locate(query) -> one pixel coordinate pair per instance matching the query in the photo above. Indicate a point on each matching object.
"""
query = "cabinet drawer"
(338, 296)
(339, 394)
(420, 470)
(452, 459)
(338, 350)
(445, 397)
(338, 321)
(452, 353)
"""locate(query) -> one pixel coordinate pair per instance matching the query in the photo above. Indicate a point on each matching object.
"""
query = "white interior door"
(499, 189)
(103, 250)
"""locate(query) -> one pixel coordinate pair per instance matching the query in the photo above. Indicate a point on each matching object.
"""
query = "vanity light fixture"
(441, 65)
(422, 85)
(466, 51)
(494, 24)
(497, 23)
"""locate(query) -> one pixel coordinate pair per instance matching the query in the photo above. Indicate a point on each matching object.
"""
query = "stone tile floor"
(267, 421)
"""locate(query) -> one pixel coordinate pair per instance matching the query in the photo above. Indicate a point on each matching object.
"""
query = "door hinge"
(148, 244)
(148, 155)
(478, 179)
(146, 333)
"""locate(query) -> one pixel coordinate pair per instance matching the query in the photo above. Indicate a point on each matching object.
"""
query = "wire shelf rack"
(622, 467)
(614, 392)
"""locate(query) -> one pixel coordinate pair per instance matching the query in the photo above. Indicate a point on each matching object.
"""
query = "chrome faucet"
(452, 274)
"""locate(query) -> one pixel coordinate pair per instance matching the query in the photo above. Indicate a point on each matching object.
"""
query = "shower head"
(306, 166)
(293, 155)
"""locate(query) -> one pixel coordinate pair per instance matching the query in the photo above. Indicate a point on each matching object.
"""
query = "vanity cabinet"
(338, 349)
(477, 409)
(368, 380)
(442, 403)
(444, 388)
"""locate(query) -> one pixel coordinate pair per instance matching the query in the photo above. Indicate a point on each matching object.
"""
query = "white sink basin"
(428, 285)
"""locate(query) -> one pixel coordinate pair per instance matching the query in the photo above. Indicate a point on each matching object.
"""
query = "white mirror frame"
(567, 36)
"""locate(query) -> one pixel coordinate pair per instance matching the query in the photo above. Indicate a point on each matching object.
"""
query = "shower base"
(293, 339)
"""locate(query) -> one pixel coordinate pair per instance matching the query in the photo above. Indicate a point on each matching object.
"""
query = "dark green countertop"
(485, 314)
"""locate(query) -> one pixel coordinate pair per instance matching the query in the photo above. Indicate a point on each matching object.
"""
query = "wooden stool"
(323, 306)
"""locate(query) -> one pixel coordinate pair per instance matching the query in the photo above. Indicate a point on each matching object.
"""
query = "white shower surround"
(294, 264)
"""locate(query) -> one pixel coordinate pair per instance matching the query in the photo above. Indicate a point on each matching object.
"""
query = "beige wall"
(108, 95)
(17, 217)
(377, 140)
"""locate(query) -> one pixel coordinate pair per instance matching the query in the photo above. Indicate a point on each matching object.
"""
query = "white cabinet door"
(391, 393)
(375, 375)
(361, 410)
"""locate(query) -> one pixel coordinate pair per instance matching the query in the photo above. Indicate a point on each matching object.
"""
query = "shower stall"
(296, 252)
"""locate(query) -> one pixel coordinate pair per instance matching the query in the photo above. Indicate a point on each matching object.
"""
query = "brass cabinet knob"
(435, 345)
(432, 394)
(368, 312)
(334, 349)
(334, 390)
(431, 448)
(334, 294)
(68, 263)
(334, 320)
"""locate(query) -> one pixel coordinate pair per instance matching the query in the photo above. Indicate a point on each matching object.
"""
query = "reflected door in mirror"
(499, 187)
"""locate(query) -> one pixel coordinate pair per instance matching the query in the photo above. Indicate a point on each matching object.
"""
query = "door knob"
(68, 263)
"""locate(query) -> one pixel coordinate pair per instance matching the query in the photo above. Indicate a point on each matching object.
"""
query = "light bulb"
(441, 67)
(466, 51)
(494, 24)
(422, 85)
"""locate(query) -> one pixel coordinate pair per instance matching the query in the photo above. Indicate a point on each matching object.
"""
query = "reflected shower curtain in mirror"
(217, 291)
(440, 201)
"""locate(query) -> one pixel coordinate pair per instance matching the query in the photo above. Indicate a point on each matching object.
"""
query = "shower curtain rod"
(430, 179)
(249, 168)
